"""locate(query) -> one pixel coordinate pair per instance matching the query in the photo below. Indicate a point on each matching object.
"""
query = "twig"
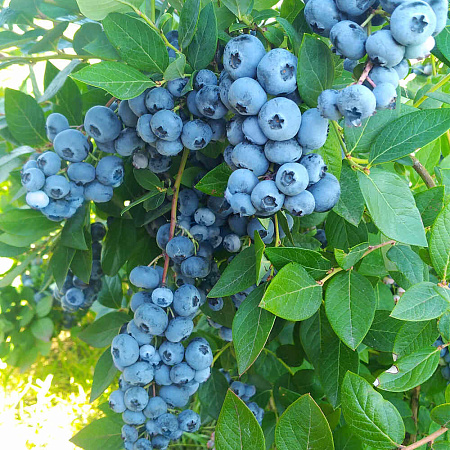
(423, 173)
(372, 248)
(425, 440)
(110, 102)
(365, 73)
(173, 213)
(415, 410)
(333, 271)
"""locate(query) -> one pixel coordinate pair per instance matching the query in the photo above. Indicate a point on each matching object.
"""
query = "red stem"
(365, 73)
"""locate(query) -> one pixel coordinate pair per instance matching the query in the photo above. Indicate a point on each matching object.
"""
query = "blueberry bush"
(246, 205)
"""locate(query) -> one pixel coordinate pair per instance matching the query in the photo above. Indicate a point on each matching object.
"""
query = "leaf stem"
(423, 173)
(425, 440)
(153, 10)
(173, 214)
(333, 271)
(433, 89)
(220, 352)
(365, 73)
(277, 231)
(372, 248)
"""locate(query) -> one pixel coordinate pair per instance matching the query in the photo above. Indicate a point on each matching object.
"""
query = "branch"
(372, 248)
(173, 214)
(423, 173)
(425, 440)
(415, 409)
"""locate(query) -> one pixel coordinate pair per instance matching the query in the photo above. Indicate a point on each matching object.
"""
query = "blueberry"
(349, 39)
(162, 297)
(162, 374)
(174, 396)
(242, 55)
(37, 199)
(386, 96)
(204, 216)
(420, 51)
(187, 202)
(74, 298)
(147, 352)
(151, 319)
(186, 300)
(266, 197)
(242, 181)
(195, 267)
(313, 130)
(227, 153)
(247, 96)
(102, 124)
(413, 22)
(107, 147)
(300, 205)
(196, 134)
(209, 103)
(124, 350)
(242, 205)
(49, 163)
(326, 193)
(281, 152)
(216, 304)
(98, 192)
(179, 248)
(57, 210)
(224, 89)
(257, 411)
(327, 104)
(356, 103)
(30, 164)
(192, 104)
(235, 133)
(202, 375)
(176, 86)
(135, 398)
(157, 99)
(166, 125)
(198, 354)
(129, 119)
(54, 124)
(159, 163)
(321, 16)
(383, 49)
(253, 132)
(110, 171)
(81, 172)
(350, 64)
(142, 444)
(171, 353)
(56, 186)
(169, 148)
(181, 373)
(251, 157)
(139, 374)
(277, 72)
(238, 388)
(129, 433)
(128, 142)
(33, 179)
(354, 7)
(315, 166)
(390, 5)
(179, 329)
(218, 128)
(226, 334)
(116, 401)
(133, 417)
(379, 74)
(156, 407)
(144, 277)
(292, 178)
(162, 236)
(137, 104)
(141, 337)
(440, 8)
(189, 421)
(205, 77)
(266, 234)
(279, 119)
(72, 145)
(98, 231)
(144, 130)
(160, 442)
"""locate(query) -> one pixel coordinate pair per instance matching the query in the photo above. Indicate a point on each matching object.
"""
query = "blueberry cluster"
(413, 24)
(58, 192)
(76, 295)
(159, 373)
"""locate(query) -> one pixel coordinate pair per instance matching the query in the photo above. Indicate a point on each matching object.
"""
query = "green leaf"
(101, 47)
(44, 306)
(81, 264)
(101, 332)
(408, 263)
(410, 370)
(9, 277)
(315, 69)
(408, 133)
(291, 33)
(303, 426)
(441, 414)
(42, 329)
(355, 254)
(237, 427)
(423, 301)
(202, 48)
(414, 336)
(444, 326)
(429, 203)
(101, 434)
(392, 207)
(342, 235)
(292, 294)
(313, 262)
(290, 9)
(148, 180)
(26, 222)
(440, 244)
(176, 68)
(111, 293)
(120, 80)
(212, 393)
(262, 264)
(374, 420)
(188, 22)
(223, 317)
(72, 234)
(351, 202)
(104, 374)
(350, 306)
(138, 44)
(443, 45)
(25, 118)
(238, 275)
(251, 328)
(60, 263)
(102, 8)
(50, 39)
(215, 181)
(383, 332)
(238, 7)
(118, 245)
(331, 153)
